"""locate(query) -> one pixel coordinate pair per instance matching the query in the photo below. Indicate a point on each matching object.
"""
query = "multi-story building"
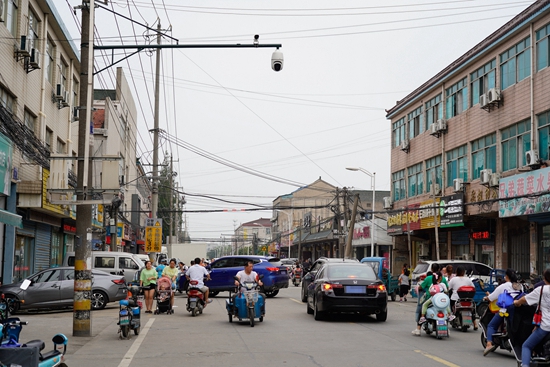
(38, 88)
(254, 236)
(473, 142)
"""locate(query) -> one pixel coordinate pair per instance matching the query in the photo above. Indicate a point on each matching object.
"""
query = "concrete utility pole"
(171, 201)
(339, 224)
(82, 323)
(351, 225)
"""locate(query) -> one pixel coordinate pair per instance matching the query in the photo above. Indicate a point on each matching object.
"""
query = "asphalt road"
(287, 337)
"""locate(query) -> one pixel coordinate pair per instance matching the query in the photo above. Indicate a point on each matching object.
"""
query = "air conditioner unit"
(483, 100)
(387, 202)
(66, 97)
(433, 129)
(436, 189)
(34, 60)
(485, 176)
(457, 184)
(405, 145)
(24, 47)
(59, 91)
(441, 125)
(493, 95)
(495, 178)
(424, 250)
(532, 157)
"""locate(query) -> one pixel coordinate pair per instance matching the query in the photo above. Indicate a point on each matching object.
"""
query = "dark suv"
(310, 276)
(225, 268)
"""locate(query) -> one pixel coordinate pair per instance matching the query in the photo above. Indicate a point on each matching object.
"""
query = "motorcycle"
(129, 313)
(436, 316)
(195, 299)
(246, 303)
(464, 308)
(296, 276)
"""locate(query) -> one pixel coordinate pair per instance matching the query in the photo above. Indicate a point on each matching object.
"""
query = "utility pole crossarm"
(198, 45)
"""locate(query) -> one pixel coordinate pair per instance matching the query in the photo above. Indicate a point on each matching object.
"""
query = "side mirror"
(26, 283)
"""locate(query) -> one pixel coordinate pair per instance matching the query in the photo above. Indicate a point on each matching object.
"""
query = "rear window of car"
(342, 271)
(421, 268)
(375, 265)
(276, 262)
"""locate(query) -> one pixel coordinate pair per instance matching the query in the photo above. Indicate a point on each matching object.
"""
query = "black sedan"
(347, 287)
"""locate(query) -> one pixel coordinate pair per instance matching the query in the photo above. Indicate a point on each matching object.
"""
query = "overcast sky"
(345, 63)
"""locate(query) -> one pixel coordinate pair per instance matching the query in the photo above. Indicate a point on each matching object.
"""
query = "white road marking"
(135, 345)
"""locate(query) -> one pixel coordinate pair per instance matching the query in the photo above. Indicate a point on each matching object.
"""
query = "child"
(403, 284)
(437, 287)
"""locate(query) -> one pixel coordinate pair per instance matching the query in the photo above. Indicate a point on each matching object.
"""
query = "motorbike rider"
(198, 272)
(249, 275)
(436, 287)
(460, 281)
(423, 295)
(540, 332)
(509, 285)
(297, 269)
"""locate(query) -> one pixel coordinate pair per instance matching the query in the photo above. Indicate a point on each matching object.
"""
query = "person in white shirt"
(198, 272)
(539, 333)
(249, 275)
(460, 281)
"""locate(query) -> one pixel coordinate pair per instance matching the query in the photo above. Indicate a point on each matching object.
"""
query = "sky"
(345, 63)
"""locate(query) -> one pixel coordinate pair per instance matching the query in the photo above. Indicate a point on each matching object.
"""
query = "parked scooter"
(195, 298)
(464, 308)
(297, 276)
(247, 303)
(129, 314)
(436, 316)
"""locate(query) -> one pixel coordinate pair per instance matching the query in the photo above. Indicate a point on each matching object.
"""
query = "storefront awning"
(11, 219)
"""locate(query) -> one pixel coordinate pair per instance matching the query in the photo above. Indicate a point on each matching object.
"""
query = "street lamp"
(372, 177)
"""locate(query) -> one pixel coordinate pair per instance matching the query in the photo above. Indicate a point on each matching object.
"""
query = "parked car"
(112, 262)
(290, 263)
(54, 288)
(347, 287)
(317, 264)
(143, 257)
(225, 268)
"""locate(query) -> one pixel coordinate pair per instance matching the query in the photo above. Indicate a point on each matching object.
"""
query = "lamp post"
(372, 177)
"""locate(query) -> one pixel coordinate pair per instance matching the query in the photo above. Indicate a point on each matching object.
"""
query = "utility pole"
(351, 225)
(155, 188)
(171, 202)
(346, 218)
(435, 213)
(82, 323)
(339, 224)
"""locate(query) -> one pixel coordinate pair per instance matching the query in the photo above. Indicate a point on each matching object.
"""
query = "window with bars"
(515, 141)
(456, 98)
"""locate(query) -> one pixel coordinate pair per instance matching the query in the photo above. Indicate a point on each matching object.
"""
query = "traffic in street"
(288, 336)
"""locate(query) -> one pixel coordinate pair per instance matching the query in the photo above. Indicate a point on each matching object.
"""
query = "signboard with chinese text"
(526, 193)
(153, 235)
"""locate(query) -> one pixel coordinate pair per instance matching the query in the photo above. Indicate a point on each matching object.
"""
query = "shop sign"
(451, 210)
(523, 193)
(6, 152)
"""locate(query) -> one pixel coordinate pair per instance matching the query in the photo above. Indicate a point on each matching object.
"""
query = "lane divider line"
(136, 344)
(437, 359)
(295, 300)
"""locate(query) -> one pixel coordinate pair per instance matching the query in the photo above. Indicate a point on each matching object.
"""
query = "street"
(287, 337)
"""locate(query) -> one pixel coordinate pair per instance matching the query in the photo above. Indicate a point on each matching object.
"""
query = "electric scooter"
(129, 313)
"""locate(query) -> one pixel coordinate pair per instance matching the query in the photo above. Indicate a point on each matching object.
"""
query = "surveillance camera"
(256, 36)
(256, 40)
(277, 60)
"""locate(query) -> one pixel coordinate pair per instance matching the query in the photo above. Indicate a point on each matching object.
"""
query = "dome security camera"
(277, 60)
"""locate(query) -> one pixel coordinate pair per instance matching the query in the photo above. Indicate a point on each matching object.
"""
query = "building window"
(544, 135)
(75, 92)
(60, 146)
(516, 140)
(398, 128)
(484, 155)
(434, 110)
(49, 138)
(515, 63)
(457, 98)
(63, 75)
(457, 164)
(50, 56)
(29, 120)
(482, 80)
(433, 165)
(416, 126)
(10, 12)
(398, 181)
(32, 36)
(543, 51)
(415, 180)
(6, 99)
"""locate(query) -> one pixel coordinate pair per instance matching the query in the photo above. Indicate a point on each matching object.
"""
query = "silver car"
(54, 288)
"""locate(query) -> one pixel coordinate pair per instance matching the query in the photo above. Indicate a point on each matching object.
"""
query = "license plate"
(466, 318)
(193, 299)
(442, 322)
(124, 321)
(356, 289)
(442, 332)
(283, 271)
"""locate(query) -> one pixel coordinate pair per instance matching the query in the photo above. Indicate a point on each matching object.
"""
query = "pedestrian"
(148, 280)
(403, 284)
(161, 267)
(540, 296)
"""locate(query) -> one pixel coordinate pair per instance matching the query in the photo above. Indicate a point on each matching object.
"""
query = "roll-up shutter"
(518, 245)
(42, 246)
(28, 228)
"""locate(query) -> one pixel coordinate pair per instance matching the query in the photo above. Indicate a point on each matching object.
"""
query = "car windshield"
(421, 268)
(342, 271)
(275, 262)
(375, 265)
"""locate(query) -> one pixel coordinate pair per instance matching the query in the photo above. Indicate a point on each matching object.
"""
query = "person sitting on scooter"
(540, 332)
(249, 275)
(423, 295)
(436, 287)
(510, 278)
(460, 281)
(198, 272)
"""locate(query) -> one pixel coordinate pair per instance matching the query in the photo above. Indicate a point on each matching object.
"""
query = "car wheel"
(99, 300)
(308, 309)
(393, 296)
(304, 295)
(272, 294)
(13, 303)
(317, 315)
(382, 316)
(213, 293)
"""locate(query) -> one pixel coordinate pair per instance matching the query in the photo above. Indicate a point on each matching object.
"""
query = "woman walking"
(148, 280)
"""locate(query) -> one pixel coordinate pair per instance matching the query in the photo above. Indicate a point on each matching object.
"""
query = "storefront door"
(23, 264)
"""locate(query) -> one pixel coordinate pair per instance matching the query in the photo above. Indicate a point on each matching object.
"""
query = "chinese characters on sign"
(153, 235)
(517, 190)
